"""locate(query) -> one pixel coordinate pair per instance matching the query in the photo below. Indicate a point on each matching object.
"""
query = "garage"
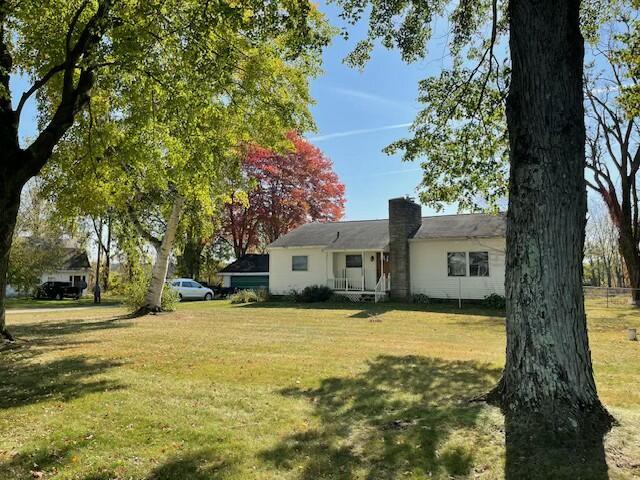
(249, 272)
(250, 281)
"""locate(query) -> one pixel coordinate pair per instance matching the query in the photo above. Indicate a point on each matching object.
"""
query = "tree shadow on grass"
(40, 332)
(26, 379)
(30, 463)
(205, 464)
(535, 450)
(444, 307)
(392, 420)
(27, 382)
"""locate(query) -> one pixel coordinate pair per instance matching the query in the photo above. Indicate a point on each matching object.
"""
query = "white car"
(188, 288)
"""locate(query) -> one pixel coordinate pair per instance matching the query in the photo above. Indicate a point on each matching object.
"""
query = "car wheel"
(208, 297)
(60, 296)
(179, 297)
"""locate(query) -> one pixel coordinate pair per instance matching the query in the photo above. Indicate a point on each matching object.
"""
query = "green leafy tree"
(70, 48)
(38, 244)
(538, 92)
(159, 149)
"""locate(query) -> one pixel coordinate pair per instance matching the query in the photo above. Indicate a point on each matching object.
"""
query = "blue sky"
(358, 113)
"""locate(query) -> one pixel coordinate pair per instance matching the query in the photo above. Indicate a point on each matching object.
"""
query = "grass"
(19, 303)
(283, 391)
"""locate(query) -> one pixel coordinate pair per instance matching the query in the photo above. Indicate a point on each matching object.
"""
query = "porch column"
(330, 275)
(364, 261)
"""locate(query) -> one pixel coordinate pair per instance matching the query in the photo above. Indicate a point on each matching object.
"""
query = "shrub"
(420, 298)
(313, 293)
(135, 291)
(249, 296)
(495, 301)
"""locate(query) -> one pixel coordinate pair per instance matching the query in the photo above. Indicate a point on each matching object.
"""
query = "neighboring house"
(75, 267)
(448, 256)
(249, 271)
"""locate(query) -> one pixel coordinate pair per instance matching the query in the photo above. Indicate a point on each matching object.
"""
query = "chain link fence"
(610, 296)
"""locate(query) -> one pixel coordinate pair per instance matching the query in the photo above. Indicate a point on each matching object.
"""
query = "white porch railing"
(382, 287)
(346, 284)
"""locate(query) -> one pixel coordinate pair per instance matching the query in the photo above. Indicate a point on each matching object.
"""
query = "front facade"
(451, 256)
(74, 269)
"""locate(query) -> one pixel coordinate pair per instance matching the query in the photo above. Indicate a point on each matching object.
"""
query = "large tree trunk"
(9, 206)
(630, 252)
(153, 298)
(548, 373)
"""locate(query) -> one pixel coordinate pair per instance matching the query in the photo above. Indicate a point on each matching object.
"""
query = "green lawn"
(86, 301)
(276, 391)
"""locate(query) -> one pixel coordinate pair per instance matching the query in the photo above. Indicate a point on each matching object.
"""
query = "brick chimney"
(405, 218)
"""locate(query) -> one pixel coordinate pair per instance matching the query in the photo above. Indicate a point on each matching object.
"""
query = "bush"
(135, 291)
(249, 296)
(495, 301)
(313, 293)
(420, 298)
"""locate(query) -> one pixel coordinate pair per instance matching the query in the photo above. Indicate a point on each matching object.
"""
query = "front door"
(353, 263)
(382, 264)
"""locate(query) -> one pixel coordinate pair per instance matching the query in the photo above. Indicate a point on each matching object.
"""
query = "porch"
(359, 274)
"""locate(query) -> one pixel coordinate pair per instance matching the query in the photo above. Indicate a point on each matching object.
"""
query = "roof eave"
(458, 237)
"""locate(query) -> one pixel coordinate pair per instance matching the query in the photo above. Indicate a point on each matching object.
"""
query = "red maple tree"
(289, 190)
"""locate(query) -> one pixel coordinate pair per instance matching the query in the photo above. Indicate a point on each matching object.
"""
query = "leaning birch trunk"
(153, 298)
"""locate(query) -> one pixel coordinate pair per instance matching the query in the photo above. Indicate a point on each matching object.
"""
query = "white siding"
(282, 279)
(57, 276)
(429, 268)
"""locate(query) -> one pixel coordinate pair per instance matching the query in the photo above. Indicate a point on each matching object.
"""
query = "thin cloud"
(360, 131)
(370, 97)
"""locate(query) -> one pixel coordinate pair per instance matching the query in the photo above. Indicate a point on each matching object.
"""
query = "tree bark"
(107, 256)
(97, 280)
(548, 372)
(9, 206)
(630, 252)
(153, 298)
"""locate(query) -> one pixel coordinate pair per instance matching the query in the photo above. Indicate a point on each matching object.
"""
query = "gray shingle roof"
(461, 226)
(374, 234)
(364, 234)
(74, 259)
(249, 263)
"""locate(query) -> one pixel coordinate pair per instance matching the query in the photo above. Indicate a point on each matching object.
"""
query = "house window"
(457, 264)
(478, 264)
(354, 261)
(299, 263)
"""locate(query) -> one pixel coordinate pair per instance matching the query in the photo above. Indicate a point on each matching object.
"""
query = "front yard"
(277, 391)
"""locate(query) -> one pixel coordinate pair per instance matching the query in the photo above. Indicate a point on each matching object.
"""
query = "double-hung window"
(478, 264)
(299, 263)
(457, 264)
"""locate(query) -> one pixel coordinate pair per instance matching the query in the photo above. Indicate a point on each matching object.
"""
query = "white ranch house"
(74, 268)
(448, 256)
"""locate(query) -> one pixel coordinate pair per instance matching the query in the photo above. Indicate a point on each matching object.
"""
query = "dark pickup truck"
(58, 290)
(219, 291)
